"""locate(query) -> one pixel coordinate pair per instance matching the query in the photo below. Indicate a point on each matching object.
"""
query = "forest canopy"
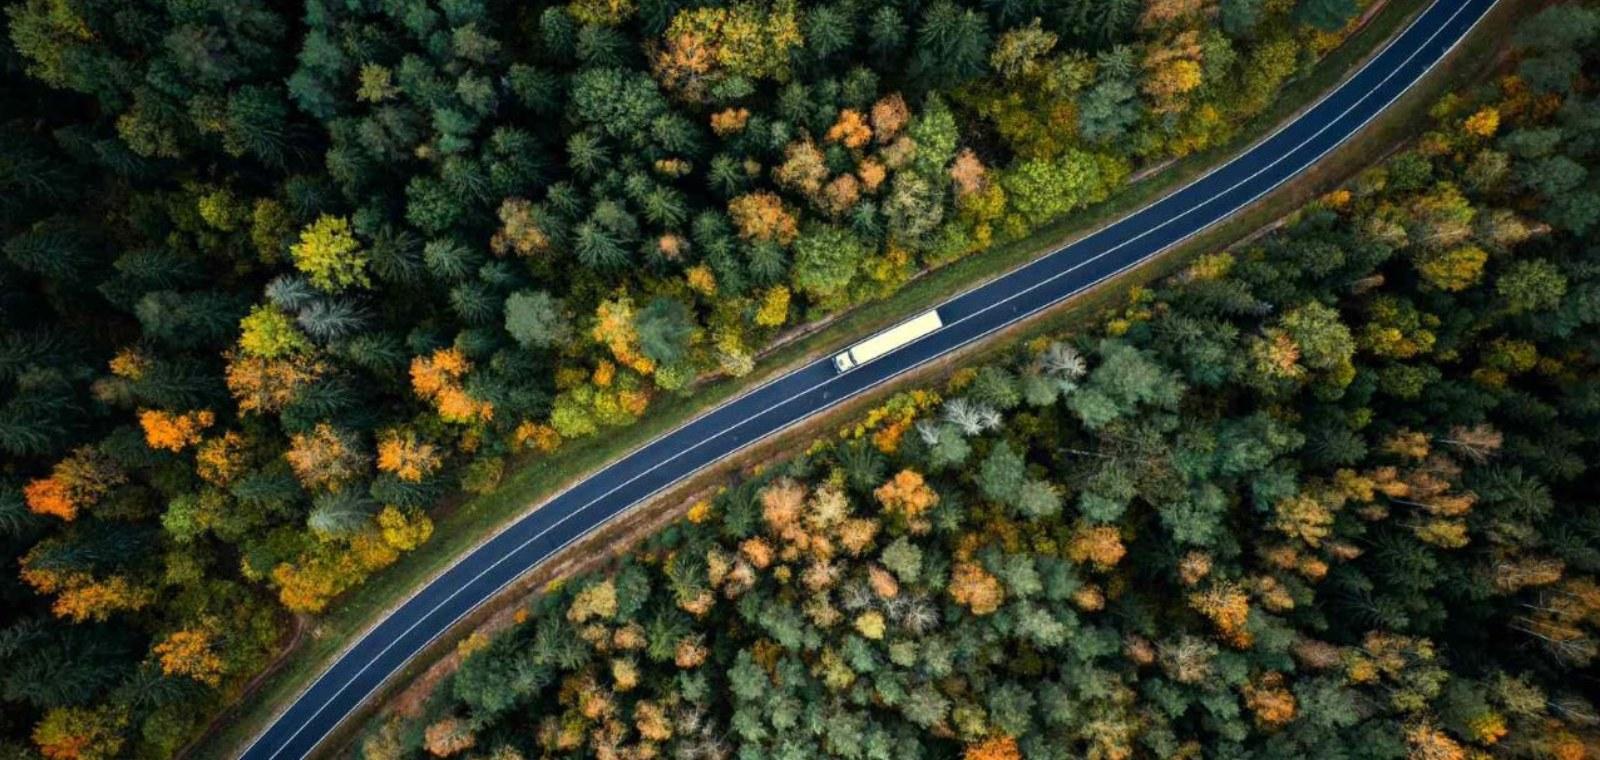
(277, 280)
(1329, 494)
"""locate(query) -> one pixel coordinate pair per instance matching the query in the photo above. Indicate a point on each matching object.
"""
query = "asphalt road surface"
(778, 404)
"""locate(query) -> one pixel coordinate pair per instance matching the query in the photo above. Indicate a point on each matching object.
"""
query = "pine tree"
(330, 319)
(1240, 17)
(952, 43)
(258, 125)
(1327, 15)
(665, 327)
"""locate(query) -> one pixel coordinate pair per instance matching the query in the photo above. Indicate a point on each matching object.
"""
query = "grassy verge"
(468, 522)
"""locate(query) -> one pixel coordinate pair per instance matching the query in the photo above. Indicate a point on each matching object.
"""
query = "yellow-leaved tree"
(330, 256)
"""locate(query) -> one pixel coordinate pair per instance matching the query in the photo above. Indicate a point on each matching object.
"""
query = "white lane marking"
(1137, 262)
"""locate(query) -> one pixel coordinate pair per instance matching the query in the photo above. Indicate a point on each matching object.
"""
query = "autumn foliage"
(763, 217)
(75, 483)
(996, 748)
(174, 432)
(191, 653)
(404, 453)
(974, 588)
(325, 458)
(439, 378)
(906, 495)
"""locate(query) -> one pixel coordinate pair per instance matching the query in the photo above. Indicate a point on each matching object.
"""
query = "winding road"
(791, 398)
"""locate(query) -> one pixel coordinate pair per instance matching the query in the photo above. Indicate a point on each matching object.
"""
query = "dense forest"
(1328, 495)
(278, 278)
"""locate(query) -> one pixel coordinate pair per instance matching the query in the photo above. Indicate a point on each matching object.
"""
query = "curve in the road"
(780, 403)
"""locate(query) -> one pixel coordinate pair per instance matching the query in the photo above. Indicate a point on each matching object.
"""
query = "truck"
(888, 340)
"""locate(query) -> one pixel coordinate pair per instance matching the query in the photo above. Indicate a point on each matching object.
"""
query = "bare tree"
(1477, 443)
(964, 415)
(917, 614)
(856, 597)
(1063, 361)
(989, 417)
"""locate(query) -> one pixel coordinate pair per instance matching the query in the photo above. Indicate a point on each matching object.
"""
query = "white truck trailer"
(887, 341)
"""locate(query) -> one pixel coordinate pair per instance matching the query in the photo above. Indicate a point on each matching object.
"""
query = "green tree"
(259, 125)
(1003, 474)
(1041, 190)
(995, 387)
(619, 102)
(1327, 15)
(1108, 110)
(1531, 285)
(904, 559)
(1038, 499)
(886, 31)
(947, 448)
(537, 320)
(189, 320)
(1125, 378)
(665, 326)
(1239, 17)
(952, 44)
(826, 259)
(1324, 341)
